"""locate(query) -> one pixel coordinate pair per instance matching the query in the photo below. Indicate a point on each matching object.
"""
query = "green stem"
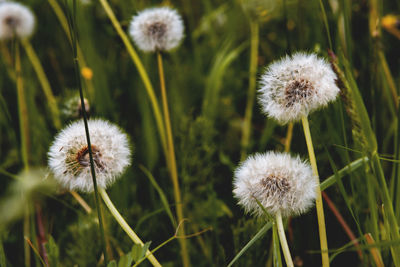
(172, 161)
(319, 205)
(22, 110)
(64, 24)
(388, 206)
(73, 31)
(142, 72)
(325, 18)
(124, 225)
(254, 32)
(24, 132)
(37, 66)
(282, 238)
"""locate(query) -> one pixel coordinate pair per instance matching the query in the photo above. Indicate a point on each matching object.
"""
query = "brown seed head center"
(82, 157)
(297, 91)
(11, 21)
(157, 29)
(275, 184)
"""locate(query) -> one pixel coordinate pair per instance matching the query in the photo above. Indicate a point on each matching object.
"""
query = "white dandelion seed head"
(69, 155)
(278, 181)
(157, 29)
(15, 19)
(295, 86)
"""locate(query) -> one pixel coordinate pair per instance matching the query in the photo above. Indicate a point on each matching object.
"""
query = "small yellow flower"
(389, 21)
(87, 73)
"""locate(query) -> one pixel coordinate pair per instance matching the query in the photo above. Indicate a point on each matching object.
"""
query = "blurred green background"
(207, 81)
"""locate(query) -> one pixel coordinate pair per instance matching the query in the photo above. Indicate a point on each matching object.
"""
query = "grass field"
(177, 192)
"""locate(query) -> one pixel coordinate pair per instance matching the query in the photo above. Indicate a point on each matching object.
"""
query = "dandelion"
(16, 20)
(157, 29)
(296, 85)
(72, 107)
(69, 155)
(278, 181)
(282, 184)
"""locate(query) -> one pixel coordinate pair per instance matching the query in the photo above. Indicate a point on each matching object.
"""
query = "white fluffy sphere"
(69, 155)
(15, 19)
(295, 86)
(157, 29)
(278, 181)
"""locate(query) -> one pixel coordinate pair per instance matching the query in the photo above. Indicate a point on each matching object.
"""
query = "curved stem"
(172, 160)
(318, 202)
(141, 70)
(125, 226)
(254, 30)
(282, 238)
(37, 66)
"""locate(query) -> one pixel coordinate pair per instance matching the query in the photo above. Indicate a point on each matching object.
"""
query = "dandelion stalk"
(43, 81)
(73, 29)
(142, 72)
(282, 238)
(64, 24)
(254, 32)
(172, 160)
(319, 205)
(125, 226)
(24, 133)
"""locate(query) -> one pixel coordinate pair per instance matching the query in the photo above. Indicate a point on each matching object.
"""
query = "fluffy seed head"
(69, 155)
(278, 181)
(15, 20)
(157, 29)
(295, 86)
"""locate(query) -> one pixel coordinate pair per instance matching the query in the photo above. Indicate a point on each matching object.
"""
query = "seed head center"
(82, 157)
(297, 91)
(11, 21)
(157, 29)
(275, 184)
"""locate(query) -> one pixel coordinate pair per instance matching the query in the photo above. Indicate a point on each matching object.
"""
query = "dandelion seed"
(295, 86)
(72, 108)
(278, 181)
(157, 29)
(69, 155)
(15, 20)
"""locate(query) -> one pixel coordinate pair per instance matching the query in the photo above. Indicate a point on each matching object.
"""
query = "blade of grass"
(160, 193)
(257, 236)
(351, 167)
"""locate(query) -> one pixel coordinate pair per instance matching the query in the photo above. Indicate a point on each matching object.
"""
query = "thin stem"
(37, 66)
(81, 201)
(22, 110)
(172, 161)
(282, 238)
(141, 70)
(254, 32)
(289, 135)
(319, 205)
(64, 24)
(73, 31)
(124, 225)
(325, 18)
(25, 140)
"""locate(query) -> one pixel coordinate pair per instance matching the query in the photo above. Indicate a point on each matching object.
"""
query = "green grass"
(207, 80)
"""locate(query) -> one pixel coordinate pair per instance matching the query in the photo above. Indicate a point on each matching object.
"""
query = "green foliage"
(207, 79)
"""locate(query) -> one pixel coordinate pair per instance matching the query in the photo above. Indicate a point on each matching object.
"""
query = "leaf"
(138, 251)
(53, 253)
(112, 263)
(125, 260)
